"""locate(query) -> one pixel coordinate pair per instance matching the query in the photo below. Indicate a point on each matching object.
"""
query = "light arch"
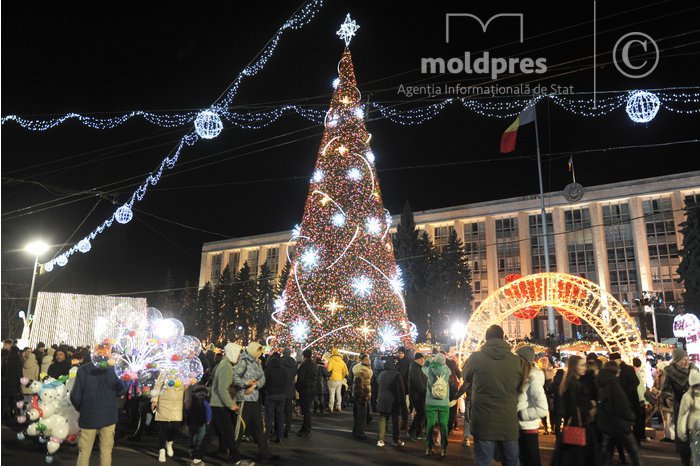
(567, 293)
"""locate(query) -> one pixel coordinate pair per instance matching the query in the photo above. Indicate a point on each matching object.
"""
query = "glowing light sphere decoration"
(208, 124)
(124, 214)
(61, 260)
(144, 346)
(48, 266)
(642, 106)
(84, 245)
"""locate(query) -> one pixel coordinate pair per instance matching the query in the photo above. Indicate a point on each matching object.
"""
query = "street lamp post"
(649, 302)
(36, 248)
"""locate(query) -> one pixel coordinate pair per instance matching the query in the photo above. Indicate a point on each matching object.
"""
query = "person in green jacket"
(437, 401)
(494, 373)
(222, 403)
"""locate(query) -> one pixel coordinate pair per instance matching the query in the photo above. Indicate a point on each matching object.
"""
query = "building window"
(233, 259)
(579, 243)
(507, 248)
(273, 259)
(215, 268)
(537, 244)
(253, 256)
(622, 264)
(663, 249)
(475, 247)
(441, 237)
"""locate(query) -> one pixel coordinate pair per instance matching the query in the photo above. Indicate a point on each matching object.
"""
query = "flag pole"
(573, 169)
(550, 309)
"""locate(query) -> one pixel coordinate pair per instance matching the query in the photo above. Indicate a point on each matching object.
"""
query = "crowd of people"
(593, 404)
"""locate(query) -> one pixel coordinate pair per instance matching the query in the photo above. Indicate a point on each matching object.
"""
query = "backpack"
(440, 390)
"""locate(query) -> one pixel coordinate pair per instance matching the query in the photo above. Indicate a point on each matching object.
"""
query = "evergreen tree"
(244, 305)
(188, 310)
(265, 295)
(282, 280)
(428, 293)
(203, 311)
(689, 267)
(224, 309)
(455, 280)
(169, 304)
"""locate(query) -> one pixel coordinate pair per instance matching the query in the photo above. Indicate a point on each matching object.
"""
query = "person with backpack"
(495, 374)
(688, 427)
(306, 385)
(223, 405)
(198, 415)
(614, 416)
(437, 401)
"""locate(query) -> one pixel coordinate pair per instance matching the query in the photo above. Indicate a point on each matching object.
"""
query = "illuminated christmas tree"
(344, 287)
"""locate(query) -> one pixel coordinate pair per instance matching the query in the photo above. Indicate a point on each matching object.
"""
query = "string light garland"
(357, 305)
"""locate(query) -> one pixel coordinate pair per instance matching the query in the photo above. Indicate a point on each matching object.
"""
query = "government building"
(623, 236)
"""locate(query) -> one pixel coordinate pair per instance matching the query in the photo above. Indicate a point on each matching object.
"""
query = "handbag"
(574, 435)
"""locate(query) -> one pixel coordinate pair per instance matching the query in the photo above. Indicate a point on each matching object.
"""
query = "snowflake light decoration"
(370, 156)
(373, 226)
(347, 30)
(354, 174)
(359, 113)
(296, 232)
(309, 258)
(336, 82)
(300, 330)
(362, 285)
(280, 303)
(318, 176)
(338, 219)
(389, 337)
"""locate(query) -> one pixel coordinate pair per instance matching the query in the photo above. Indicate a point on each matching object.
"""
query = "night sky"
(105, 58)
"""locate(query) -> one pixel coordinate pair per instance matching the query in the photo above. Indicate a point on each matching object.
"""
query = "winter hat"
(678, 354)
(418, 356)
(286, 352)
(335, 352)
(527, 353)
(694, 377)
(439, 359)
(233, 352)
(253, 348)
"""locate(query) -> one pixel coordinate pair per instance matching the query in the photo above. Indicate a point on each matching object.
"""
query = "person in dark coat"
(417, 381)
(94, 396)
(61, 364)
(11, 373)
(307, 376)
(290, 366)
(628, 381)
(554, 391)
(577, 408)
(675, 385)
(391, 402)
(614, 415)
(39, 351)
(275, 386)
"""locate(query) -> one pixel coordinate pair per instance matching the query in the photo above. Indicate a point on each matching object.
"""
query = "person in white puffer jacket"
(532, 407)
(688, 425)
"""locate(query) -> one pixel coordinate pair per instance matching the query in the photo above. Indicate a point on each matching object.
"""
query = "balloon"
(48, 459)
(20, 436)
(52, 447)
(20, 404)
(42, 439)
(21, 419)
(24, 380)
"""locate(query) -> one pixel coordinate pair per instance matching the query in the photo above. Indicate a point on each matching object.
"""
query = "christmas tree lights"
(344, 288)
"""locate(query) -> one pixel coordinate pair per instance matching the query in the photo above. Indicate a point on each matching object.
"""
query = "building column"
(599, 246)
(459, 229)
(641, 246)
(524, 243)
(491, 256)
(204, 270)
(560, 245)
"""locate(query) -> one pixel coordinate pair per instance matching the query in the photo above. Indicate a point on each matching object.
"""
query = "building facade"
(623, 236)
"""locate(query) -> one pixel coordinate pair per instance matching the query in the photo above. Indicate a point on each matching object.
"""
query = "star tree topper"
(347, 30)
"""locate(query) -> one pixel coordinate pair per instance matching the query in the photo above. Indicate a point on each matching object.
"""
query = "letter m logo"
(481, 23)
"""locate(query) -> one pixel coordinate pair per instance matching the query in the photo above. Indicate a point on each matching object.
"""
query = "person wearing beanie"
(391, 402)
(275, 387)
(290, 366)
(688, 428)
(222, 403)
(337, 371)
(676, 383)
(416, 392)
(306, 385)
(249, 378)
(495, 374)
(532, 406)
(437, 401)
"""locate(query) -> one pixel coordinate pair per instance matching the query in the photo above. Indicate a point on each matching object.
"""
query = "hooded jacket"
(532, 401)
(337, 369)
(433, 370)
(290, 367)
(30, 370)
(94, 396)
(248, 368)
(675, 385)
(495, 374)
(361, 383)
(614, 414)
(307, 378)
(689, 411)
(392, 393)
(222, 379)
(47, 360)
(416, 381)
(275, 379)
(171, 401)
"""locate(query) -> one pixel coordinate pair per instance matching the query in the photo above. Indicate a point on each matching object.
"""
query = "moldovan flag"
(508, 138)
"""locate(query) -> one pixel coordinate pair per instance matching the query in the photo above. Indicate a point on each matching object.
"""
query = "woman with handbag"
(577, 443)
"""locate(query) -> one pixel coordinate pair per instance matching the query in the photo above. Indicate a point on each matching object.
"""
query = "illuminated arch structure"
(574, 297)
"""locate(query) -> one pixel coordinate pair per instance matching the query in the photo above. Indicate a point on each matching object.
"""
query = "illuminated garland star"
(333, 306)
(347, 30)
(365, 329)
